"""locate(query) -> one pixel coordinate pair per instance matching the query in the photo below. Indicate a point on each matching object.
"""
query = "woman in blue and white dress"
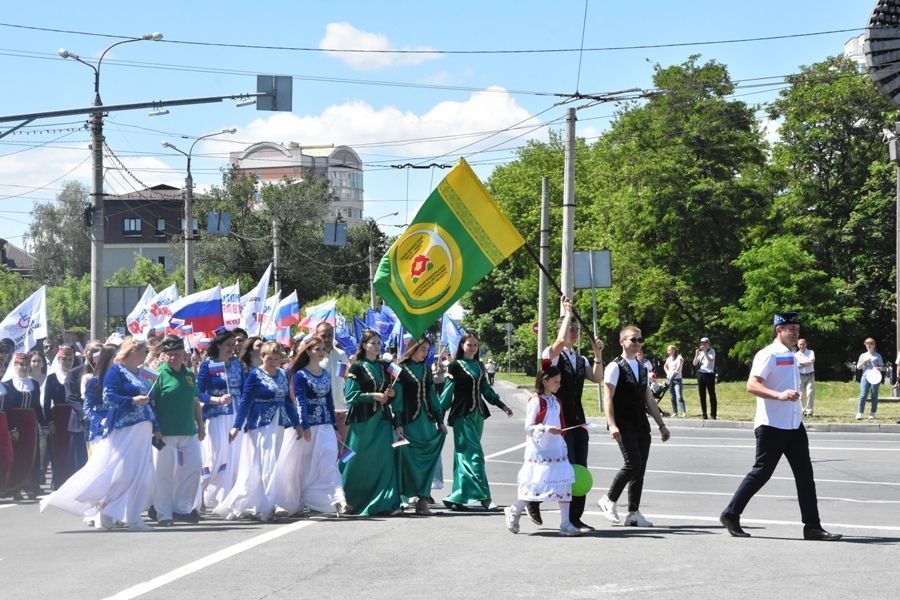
(116, 485)
(220, 381)
(264, 403)
(307, 475)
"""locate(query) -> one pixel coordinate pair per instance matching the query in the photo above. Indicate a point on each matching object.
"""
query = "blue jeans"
(676, 393)
(864, 387)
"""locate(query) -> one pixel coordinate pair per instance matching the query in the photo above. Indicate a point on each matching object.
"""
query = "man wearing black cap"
(774, 380)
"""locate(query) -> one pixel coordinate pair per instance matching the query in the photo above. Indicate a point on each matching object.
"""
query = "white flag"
(253, 304)
(138, 320)
(27, 323)
(231, 306)
(159, 310)
(268, 326)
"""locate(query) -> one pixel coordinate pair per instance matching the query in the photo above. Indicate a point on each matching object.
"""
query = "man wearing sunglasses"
(626, 401)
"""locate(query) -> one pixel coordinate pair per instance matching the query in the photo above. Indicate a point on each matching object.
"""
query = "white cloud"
(435, 132)
(376, 47)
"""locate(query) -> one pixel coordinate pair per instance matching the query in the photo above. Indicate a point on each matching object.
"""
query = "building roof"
(16, 258)
(157, 192)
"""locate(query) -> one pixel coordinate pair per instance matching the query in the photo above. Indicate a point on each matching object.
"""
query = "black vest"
(466, 392)
(416, 394)
(571, 386)
(629, 399)
(363, 411)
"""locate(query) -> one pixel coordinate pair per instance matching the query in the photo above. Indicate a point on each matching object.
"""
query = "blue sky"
(392, 108)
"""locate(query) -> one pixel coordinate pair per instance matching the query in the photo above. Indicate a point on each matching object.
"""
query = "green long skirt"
(470, 482)
(370, 476)
(418, 459)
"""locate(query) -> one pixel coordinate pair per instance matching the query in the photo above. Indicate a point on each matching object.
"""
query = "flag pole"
(555, 285)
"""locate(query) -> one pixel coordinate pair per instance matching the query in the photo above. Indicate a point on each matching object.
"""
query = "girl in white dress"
(546, 473)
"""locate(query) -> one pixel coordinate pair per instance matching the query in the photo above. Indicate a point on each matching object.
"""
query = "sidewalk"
(523, 392)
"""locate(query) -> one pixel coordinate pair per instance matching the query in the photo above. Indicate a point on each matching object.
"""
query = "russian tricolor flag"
(342, 369)
(346, 455)
(327, 311)
(148, 373)
(288, 311)
(394, 369)
(784, 360)
(216, 368)
(202, 311)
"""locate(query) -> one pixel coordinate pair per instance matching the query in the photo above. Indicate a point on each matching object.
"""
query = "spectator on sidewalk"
(806, 360)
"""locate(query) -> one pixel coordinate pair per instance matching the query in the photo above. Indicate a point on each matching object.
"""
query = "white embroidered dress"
(546, 473)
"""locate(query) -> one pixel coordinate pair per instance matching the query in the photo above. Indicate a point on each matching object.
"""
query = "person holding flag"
(220, 380)
(116, 486)
(370, 477)
(423, 426)
(464, 397)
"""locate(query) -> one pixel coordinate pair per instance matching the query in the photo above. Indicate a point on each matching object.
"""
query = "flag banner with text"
(457, 237)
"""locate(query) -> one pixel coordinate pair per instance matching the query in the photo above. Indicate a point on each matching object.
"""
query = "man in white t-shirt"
(334, 357)
(806, 361)
(774, 379)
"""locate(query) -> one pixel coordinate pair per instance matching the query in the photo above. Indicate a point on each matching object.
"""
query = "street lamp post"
(372, 224)
(98, 301)
(189, 209)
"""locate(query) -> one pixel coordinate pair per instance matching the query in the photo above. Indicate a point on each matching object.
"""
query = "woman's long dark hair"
(367, 335)
(462, 339)
(413, 348)
(301, 358)
(216, 343)
(246, 353)
(104, 361)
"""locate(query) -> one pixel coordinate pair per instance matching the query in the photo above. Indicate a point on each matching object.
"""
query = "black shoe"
(820, 535)
(151, 513)
(534, 512)
(456, 507)
(733, 524)
(191, 517)
(583, 527)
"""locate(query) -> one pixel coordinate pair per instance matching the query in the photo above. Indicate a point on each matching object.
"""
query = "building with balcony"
(340, 165)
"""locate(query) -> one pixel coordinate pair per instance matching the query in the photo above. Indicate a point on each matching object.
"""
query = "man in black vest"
(574, 369)
(626, 401)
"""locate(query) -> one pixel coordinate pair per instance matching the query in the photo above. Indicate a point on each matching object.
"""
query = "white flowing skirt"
(249, 497)
(306, 474)
(117, 480)
(220, 460)
(546, 473)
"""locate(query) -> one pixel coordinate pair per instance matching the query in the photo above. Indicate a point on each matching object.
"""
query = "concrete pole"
(567, 274)
(276, 256)
(372, 269)
(188, 231)
(896, 260)
(544, 251)
(98, 298)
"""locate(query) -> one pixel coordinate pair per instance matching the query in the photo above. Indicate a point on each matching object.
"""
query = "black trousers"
(635, 447)
(771, 444)
(707, 382)
(577, 444)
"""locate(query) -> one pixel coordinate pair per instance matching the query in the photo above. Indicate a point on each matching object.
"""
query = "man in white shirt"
(705, 361)
(774, 379)
(334, 357)
(806, 359)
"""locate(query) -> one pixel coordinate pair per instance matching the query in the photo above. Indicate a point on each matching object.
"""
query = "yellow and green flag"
(457, 237)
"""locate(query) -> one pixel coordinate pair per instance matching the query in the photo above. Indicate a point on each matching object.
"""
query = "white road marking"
(192, 567)
(745, 521)
(670, 444)
(7, 505)
(507, 451)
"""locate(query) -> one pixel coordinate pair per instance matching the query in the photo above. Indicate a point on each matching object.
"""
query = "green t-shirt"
(173, 396)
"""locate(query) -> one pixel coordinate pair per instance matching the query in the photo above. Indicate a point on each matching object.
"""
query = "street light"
(98, 301)
(372, 223)
(189, 208)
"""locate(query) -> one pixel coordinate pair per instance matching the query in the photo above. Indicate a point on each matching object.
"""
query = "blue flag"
(450, 333)
(342, 334)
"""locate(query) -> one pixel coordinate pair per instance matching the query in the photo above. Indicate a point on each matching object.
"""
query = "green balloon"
(583, 481)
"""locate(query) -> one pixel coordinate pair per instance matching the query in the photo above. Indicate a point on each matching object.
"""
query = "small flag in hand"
(394, 369)
(346, 455)
(588, 426)
(400, 442)
(343, 369)
(216, 368)
(148, 373)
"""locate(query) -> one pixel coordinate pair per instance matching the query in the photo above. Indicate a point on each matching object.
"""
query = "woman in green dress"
(370, 475)
(464, 396)
(423, 426)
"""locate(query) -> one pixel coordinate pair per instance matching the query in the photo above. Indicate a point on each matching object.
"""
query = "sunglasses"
(636, 340)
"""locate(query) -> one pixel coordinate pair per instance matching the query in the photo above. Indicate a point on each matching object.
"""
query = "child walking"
(546, 473)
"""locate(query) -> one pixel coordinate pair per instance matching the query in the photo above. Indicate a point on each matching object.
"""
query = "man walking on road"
(774, 379)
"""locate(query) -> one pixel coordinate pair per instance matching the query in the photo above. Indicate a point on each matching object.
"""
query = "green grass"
(835, 400)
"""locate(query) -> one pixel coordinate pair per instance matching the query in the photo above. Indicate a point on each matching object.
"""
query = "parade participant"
(248, 354)
(116, 484)
(22, 391)
(872, 366)
(92, 392)
(334, 358)
(265, 402)
(626, 402)
(38, 368)
(220, 381)
(546, 473)
(705, 361)
(806, 362)
(464, 397)
(78, 436)
(7, 348)
(370, 476)
(423, 426)
(178, 459)
(306, 474)
(574, 370)
(152, 360)
(673, 368)
(54, 394)
(779, 430)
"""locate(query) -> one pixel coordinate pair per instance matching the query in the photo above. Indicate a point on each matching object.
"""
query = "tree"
(58, 238)
(145, 272)
(13, 290)
(69, 305)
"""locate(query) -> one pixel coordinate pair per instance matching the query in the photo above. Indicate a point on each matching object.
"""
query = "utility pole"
(276, 256)
(544, 251)
(567, 274)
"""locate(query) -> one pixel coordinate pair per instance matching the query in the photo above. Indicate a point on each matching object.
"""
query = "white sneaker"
(859, 416)
(569, 530)
(608, 509)
(636, 519)
(512, 518)
(139, 526)
(872, 416)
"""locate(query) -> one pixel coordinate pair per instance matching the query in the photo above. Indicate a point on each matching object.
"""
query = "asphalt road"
(472, 555)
